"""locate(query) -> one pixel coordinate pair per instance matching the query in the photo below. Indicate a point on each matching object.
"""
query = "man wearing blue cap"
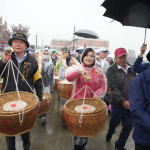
(102, 62)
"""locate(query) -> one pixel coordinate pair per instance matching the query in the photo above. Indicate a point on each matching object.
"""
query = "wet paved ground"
(55, 136)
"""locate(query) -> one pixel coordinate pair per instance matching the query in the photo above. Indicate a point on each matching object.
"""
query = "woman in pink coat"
(96, 83)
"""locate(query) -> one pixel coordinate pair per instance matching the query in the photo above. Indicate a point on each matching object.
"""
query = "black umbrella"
(129, 12)
(86, 34)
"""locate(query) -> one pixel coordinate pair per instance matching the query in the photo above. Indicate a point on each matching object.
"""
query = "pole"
(36, 41)
(145, 36)
(73, 38)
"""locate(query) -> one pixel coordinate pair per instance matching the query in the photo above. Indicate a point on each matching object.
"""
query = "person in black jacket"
(54, 57)
(28, 67)
(119, 78)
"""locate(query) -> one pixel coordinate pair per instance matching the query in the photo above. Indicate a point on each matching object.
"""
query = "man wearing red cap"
(119, 78)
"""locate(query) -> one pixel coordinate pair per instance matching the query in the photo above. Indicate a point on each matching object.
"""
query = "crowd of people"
(129, 86)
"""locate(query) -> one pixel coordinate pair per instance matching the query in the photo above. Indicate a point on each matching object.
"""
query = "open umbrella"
(52, 50)
(86, 34)
(29, 49)
(129, 12)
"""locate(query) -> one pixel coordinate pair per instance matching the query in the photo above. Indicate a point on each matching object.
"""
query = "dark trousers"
(26, 141)
(141, 147)
(119, 114)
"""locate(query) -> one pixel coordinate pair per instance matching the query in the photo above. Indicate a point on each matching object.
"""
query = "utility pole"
(73, 38)
(36, 41)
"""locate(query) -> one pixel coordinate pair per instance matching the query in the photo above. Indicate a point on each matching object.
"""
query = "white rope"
(4, 69)
(24, 78)
(20, 119)
(81, 115)
(77, 92)
(8, 63)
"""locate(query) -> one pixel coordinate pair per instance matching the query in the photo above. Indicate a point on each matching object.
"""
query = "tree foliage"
(4, 31)
(21, 29)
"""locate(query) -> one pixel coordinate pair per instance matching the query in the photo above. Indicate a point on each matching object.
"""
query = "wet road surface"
(56, 136)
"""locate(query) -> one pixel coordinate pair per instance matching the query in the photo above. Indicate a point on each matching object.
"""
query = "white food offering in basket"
(65, 82)
(85, 108)
(56, 77)
(14, 106)
(44, 97)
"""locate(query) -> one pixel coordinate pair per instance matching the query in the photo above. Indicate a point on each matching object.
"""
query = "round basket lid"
(98, 104)
(31, 100)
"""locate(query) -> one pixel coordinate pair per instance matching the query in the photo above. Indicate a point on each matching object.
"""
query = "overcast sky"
(51, 19)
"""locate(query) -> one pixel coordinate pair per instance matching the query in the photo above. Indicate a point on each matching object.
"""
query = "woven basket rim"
(49, 96)
(25, 110)
(64, 83)
(78, 114)
(83, 113)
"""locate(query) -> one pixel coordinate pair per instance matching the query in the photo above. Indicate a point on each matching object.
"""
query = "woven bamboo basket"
(108, 89)
(65, 90)
(9, 121)
(92, 124)
(56, 82)
(56, 73)
(45, 104)
(63, 116)
(1, 84)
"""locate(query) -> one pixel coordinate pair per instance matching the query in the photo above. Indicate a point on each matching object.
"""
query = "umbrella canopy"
(29, 49)
(129, 12)
(52, 50)
(86, 34)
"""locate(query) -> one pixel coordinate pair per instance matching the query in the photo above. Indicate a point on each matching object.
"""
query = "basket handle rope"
(9, 63)
(20, 118)
(87, 88)
(81, 115)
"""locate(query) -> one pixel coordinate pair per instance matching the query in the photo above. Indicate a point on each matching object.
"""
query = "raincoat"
(104, 65)
(96, 83)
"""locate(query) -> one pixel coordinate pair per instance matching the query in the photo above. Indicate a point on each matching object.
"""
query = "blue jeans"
(119, 114)
(11, 141)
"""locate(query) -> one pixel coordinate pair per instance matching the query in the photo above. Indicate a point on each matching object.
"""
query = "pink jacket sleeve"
(72, 75)
(101, 91)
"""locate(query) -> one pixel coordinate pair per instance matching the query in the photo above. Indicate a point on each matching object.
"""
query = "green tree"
(4, 31)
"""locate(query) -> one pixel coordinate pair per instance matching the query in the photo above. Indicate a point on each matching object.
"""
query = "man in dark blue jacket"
(140, 110)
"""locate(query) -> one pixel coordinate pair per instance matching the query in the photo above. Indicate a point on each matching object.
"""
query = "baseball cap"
(120, 52)
(103, 49)
(37, 51)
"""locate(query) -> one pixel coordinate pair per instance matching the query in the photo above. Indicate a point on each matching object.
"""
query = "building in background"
(80, 42)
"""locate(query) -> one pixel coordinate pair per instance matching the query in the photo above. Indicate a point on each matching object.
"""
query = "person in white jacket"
(102, 62)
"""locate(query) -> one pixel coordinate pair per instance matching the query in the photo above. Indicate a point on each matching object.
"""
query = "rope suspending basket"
(84, 123)
(11, 122)
(18, 109)
(45, 104)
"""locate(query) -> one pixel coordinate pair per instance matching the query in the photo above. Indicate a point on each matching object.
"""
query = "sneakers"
(108, 137)
(43, 121)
